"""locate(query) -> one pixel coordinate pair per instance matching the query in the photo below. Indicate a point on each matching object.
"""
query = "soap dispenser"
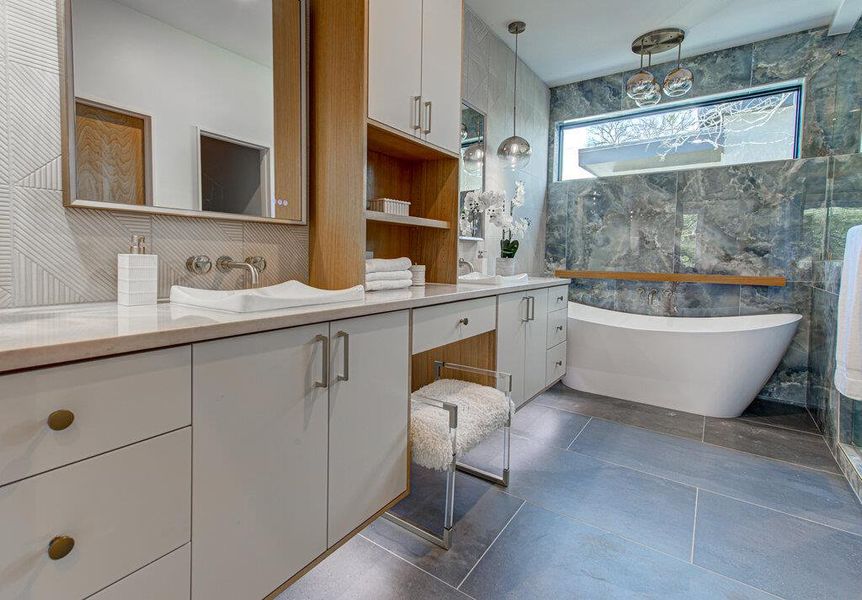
(137, 275)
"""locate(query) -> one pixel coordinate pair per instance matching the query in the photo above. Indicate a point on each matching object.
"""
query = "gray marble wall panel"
(53, 255)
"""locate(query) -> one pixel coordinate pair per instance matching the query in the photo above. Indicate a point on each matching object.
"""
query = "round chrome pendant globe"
(650, 99)
(474, 159)
(642, 85)
(516, 151)
(678, 82)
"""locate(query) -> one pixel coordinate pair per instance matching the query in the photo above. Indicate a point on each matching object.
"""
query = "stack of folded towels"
(387, 274)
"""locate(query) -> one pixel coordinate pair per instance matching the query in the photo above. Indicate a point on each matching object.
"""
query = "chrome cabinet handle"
(531, 308)
(560, 298)
(346, 364)
(526, 317)
(559, 363)
(427, 129)
(417, 113)
(559, 327)
(324, 376)
(464, 321)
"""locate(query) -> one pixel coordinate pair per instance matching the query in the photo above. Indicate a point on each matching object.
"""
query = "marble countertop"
(46, 335)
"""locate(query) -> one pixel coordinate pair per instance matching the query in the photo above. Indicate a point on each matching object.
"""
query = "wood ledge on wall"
(675, 277)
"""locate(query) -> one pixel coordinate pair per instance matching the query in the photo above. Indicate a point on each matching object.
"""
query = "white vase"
(505, 266)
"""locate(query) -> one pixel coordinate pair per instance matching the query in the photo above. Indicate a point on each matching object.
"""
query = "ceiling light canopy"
(642, 87)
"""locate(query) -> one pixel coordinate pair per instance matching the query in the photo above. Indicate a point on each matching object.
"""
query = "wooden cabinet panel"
(260, 461)
(114, 401)
(124, 509)
(368, 417)
(441, 72)
(395, 63)
(166, 579)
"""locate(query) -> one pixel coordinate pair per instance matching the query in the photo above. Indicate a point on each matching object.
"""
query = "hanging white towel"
(848, 348)
(383, 265)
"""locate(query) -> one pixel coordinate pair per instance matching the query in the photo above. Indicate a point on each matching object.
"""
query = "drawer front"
(435, 326)
(123, 510)
(169, 578)
(556, 366)
(558, 298)
(115, 402)
(557, 327)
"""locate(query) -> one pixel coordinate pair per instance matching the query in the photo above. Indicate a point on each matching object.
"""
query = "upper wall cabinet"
(170, 107)
(414, 70)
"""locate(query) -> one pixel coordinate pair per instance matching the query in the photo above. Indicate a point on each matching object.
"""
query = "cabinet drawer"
(166, 579)
(115, 402)
(556, 365)
(435, 326)
(123, 509)
(558, 298)
(557, 327)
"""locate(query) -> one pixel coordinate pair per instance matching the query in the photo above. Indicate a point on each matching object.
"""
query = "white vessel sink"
(291, 294)
(482, 279)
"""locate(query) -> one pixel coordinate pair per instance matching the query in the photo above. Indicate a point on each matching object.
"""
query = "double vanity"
(172, 452)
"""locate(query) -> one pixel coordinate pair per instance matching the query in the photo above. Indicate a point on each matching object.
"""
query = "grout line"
(418, 568)
(754, 421)
(579, 433)
(470, 572)
(694, 528)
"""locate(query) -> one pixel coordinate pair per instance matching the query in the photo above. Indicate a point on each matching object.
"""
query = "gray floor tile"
(647, 416)
(646, 509)
(481, 512)
(549, 425)
(807, 449)
(784, 555)
(359, 570)
(543, 555)
(807, 493)
(789, 416)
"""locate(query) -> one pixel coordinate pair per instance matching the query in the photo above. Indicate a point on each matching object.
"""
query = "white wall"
(129, 60)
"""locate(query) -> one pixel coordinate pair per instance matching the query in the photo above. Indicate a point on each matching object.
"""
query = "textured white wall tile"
(53, 255)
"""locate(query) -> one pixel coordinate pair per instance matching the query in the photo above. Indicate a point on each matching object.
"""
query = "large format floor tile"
(481, 512)
(646, 509)
(549, 425)
(360, 570)
(784, 555)
(806, 449)
(655, 418)
(815, 495)
(789, 416)
(543, 555)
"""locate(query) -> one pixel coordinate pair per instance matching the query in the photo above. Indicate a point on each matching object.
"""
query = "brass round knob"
(60, 547)
(60, 419)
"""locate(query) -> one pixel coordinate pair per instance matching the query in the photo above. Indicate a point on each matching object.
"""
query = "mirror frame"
(65, 36)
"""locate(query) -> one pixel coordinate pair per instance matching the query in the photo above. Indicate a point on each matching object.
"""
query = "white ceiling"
(571, 40)
(241, 26)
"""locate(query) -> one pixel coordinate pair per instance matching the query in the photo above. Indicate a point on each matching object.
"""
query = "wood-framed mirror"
(195, 108)
(471, 174)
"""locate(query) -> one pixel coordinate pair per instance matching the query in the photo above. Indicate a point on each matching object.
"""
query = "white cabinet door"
(441, 72)
(536, 344)
(511, 338)
(260, 460)
(368, 417)
(395, 63)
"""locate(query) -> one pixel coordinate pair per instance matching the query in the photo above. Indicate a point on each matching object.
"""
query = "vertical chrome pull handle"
(427, 129)
(526, 318)
(324, 376)
(417, 113)
(345, 376)
(531, 308)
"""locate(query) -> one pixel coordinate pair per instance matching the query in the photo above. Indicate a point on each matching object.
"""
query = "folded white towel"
(396, 284)
(388, 276)
(384, 265)
(848, 346)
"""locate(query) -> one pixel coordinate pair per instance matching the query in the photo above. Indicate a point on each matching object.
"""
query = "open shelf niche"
(405, 169)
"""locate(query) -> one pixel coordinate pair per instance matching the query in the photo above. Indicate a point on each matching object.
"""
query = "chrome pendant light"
(515, 150)
(642, 87)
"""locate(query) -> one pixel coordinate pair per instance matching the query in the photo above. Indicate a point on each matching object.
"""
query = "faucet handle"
(199, 265)
(258, 262)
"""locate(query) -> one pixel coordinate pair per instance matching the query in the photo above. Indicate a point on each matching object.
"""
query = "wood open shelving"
(407, 221)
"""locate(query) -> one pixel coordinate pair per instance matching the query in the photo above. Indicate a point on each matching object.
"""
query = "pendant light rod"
(516, 28)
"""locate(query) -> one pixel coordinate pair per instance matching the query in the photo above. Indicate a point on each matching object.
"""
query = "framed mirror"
(194, 108)
(472, 170)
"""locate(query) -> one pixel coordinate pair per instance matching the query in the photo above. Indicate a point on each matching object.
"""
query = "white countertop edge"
(40, 336)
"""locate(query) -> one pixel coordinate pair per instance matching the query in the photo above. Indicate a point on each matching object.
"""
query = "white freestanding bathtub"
(708, 366)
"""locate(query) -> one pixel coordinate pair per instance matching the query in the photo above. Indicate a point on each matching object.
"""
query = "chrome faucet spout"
(225, 264)
(466, 263)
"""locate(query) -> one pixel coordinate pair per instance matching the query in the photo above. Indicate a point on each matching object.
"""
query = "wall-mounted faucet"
(466, 263)
(254, 266)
